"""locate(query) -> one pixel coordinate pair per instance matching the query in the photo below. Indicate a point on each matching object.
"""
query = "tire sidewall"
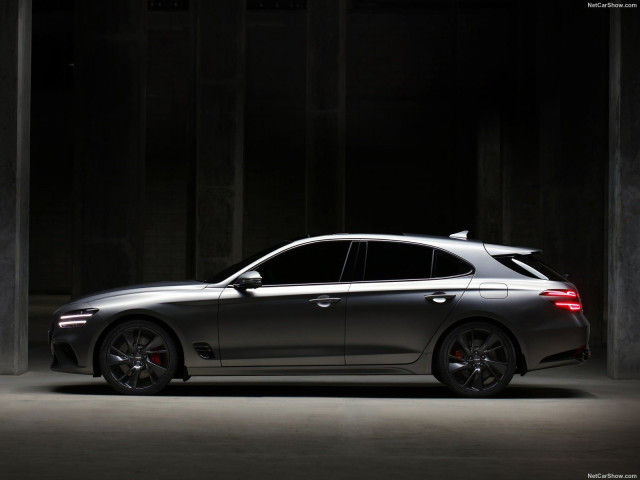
(162, 381)
(443, 361)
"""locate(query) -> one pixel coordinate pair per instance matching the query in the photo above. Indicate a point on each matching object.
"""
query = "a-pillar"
(325, 140)
(15, 85)
(220, 134)
(624, 196)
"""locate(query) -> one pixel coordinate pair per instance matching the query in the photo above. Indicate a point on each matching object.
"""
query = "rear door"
(402, 294)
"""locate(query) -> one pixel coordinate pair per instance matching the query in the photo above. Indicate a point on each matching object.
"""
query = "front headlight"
(76, 318)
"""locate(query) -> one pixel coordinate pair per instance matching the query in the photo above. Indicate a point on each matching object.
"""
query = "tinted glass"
(530, 266)
(397, 261)
(230, 270)
(320, 262)
(446, 265)
(350, 266)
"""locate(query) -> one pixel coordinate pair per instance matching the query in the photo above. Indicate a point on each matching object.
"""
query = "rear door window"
(397, 261)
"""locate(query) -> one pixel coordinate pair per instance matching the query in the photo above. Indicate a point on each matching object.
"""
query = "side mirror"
(250, 279)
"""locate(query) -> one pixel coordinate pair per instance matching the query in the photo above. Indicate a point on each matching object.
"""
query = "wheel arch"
(181, 371)
(521, 361)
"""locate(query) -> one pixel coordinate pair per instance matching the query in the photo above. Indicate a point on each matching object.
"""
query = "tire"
(476, 359)
(138, 357)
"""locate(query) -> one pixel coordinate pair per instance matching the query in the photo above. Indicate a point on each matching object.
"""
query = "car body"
(470, 313)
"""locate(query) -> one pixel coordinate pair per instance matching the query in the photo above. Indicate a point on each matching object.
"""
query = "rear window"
(530, 266)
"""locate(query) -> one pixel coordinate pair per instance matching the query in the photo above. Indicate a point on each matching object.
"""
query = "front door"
(296, 318)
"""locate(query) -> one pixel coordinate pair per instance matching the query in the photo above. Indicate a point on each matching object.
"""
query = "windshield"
(231, 269)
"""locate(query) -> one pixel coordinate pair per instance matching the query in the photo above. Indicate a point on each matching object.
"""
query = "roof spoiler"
(495, 250)
(460, 235)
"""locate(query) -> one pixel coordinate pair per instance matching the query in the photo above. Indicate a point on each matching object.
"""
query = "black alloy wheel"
(138, 357)
(477, 359)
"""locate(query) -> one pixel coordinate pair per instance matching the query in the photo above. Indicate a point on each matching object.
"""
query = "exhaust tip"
(583, 354)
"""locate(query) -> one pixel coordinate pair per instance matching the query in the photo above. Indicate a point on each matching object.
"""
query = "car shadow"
(326, 391)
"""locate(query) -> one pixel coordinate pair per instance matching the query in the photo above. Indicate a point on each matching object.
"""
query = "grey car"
(471, 314)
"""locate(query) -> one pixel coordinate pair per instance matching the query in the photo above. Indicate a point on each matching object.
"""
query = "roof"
(454, 244)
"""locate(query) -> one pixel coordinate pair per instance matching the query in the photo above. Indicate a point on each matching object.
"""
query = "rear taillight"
(567, 299)
(573, 306)
(560, 293)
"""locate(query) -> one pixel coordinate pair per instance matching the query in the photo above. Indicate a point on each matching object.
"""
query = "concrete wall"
(274, 154)
(51, 212)
(109, 148)
(219, 111)
(169, 139)
(487, 116)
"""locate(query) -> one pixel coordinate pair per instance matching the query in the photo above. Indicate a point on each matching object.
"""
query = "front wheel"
(138, 357)
(477, 359)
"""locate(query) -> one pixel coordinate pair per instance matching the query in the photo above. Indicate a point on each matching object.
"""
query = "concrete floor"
(563, 423)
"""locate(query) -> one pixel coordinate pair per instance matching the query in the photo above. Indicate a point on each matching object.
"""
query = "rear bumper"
(562, 340)
(580, 355)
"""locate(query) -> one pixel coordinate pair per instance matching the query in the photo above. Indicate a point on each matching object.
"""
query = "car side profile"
(471, 314)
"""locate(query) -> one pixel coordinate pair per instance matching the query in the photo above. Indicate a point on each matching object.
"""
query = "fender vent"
(204, 350)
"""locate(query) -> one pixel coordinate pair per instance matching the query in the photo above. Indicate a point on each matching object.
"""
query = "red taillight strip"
(560, 293)
(573, 306)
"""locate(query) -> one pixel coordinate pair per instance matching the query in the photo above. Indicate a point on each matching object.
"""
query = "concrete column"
(109, 148)
(624, 196)
(489, 179)
(15, 91)
(220, 64)
(325, 140)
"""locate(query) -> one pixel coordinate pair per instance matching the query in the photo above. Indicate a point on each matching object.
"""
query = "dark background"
(171, 138)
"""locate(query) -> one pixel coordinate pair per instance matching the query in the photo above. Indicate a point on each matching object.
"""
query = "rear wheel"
(138, 357)
(476, 359)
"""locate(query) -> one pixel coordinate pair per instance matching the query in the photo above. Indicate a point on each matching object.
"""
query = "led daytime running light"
(76, 318)
(71, 323)
(77, 315)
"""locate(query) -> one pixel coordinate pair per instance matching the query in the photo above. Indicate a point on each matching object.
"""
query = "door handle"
(439, 297)
(325, 300)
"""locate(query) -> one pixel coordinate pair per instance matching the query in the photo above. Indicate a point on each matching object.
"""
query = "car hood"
(144, 288)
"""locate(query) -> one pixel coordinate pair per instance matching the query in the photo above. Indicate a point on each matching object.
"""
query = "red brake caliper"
(156, 358)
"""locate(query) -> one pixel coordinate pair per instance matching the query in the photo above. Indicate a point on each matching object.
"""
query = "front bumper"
(72, 348)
